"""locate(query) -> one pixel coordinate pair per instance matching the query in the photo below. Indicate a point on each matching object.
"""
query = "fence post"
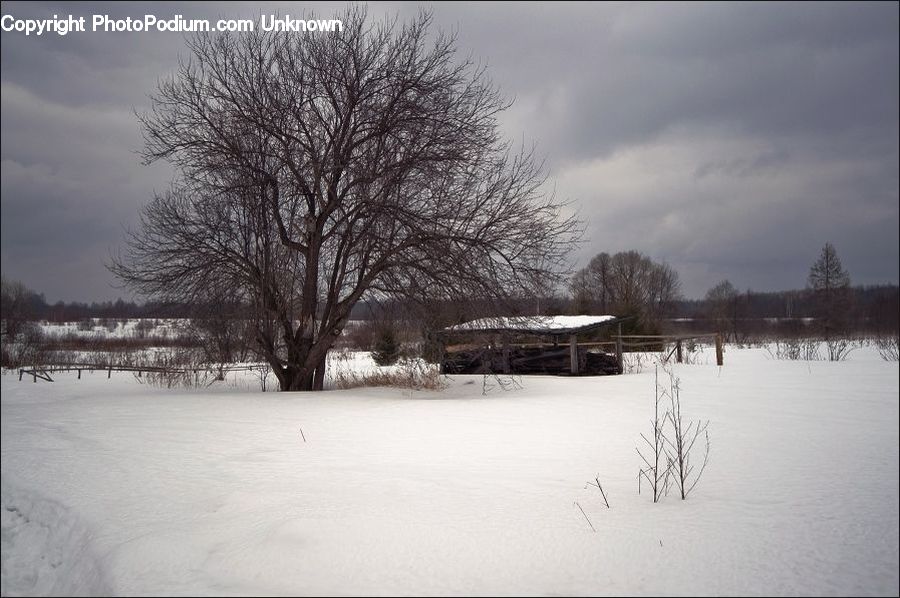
(109, 373)
(619, 350)
(719, 359)
(79, 374)
(573, 353)
(20, 374)
(678, 356)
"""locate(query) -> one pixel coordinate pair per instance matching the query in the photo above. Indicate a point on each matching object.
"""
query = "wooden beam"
(619, 350)
(573, 353)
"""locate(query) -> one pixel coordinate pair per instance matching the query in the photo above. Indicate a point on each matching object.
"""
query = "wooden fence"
(44, 372)
(647, 340)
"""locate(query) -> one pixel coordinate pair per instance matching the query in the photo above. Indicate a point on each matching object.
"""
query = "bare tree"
(626, 283)
(16, 302)
(722, 306)
(319, 169)
(21, 339)
(830, 284)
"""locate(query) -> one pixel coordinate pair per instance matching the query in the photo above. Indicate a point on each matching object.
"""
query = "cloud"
(730, 140)
(757, 217)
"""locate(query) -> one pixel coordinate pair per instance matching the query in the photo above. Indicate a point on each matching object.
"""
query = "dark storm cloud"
(616, 79)
(731, 140)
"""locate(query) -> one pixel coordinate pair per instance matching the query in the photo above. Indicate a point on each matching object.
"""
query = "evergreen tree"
(386, 349)
(831, 284)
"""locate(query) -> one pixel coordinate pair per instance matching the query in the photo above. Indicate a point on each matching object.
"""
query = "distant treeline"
(872, 303)
(23, 303)
(868, 301)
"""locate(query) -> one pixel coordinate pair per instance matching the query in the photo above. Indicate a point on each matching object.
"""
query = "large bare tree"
(316, 169)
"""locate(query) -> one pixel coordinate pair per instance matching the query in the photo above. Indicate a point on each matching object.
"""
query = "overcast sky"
(729, 140)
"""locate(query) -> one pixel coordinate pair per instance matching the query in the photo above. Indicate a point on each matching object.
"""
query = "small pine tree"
(386, 349)
(828, 274)
(831, 283)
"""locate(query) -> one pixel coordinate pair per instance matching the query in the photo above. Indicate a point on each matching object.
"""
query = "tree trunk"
(294, 377)
(319, 379)
(302, 380)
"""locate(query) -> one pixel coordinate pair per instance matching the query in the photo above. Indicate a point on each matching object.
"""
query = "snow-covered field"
(116, 328)
(111, 486)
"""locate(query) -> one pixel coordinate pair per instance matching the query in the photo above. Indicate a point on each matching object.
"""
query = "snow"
(46, 548)
(111, 486)
(116, 328)
(543, 324)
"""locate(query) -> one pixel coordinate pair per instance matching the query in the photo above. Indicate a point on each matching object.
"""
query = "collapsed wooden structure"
(531, 345)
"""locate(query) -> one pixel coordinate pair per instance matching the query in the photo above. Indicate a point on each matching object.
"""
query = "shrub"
(413, 374)
(27, 348)
(386, 349)
(888, 347)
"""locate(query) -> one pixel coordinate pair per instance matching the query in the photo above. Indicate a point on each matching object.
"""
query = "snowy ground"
(111, 486)
(116, 328)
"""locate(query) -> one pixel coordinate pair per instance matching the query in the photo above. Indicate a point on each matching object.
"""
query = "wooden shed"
(531, 345)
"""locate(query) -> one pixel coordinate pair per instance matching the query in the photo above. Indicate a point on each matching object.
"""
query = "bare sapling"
(680, 441)
(657, 470)
(596, 483)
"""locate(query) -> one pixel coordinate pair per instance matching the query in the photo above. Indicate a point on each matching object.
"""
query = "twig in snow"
(302, 435)
(596, 483)
(585, 516)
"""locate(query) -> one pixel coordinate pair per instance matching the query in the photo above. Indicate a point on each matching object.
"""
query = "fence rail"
(44, 372)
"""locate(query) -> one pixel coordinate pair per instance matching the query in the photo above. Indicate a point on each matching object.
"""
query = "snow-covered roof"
(534, 324)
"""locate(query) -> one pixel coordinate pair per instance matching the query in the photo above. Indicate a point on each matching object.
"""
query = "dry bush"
(412, 374)
(189, 378)
(668, 451)
(794, 349)
(503, 382)
(634, 363)
(26, 348)
(680, 441)
(179, 370)
(839, 348)
(657, 471)
(888, 347)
